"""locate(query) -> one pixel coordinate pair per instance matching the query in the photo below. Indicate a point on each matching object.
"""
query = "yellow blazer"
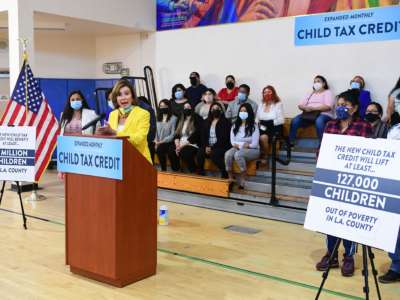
(136, 129)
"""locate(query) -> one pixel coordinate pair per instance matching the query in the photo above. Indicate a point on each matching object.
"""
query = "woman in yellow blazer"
(128, 119)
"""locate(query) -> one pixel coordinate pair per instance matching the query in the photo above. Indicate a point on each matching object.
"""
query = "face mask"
(187, 112)
(128, 109)
(242, 97)
(371, 118)
(355, 85)
(164, 110)
(208, 98)
(216, 113)
(76, 105)
(110, 104)
(342, 113)
(317, 86)
(179, 95)
(243, 115)
(193, 80)
(230, 85)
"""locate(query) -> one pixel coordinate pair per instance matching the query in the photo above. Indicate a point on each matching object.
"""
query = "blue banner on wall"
(90, 156)
(376, 24)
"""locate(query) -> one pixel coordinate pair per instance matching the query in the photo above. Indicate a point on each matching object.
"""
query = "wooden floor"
(197, 258)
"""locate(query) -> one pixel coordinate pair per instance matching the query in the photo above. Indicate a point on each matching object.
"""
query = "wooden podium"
(111, 225)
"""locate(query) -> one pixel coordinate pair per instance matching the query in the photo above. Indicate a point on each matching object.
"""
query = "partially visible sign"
(17, 153)
(356, 191)
(377, 24)
(90, 156)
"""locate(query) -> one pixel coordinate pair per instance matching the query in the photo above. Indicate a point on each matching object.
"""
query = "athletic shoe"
(348, 266)
(389, 277)
(323, 264)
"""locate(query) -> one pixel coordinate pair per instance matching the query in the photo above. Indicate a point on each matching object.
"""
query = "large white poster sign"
(17, 153)
(356, 191)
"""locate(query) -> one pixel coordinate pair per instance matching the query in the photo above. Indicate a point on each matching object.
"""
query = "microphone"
(94, 121)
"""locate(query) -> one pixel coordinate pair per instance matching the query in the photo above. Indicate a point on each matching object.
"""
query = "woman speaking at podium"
(128, 119)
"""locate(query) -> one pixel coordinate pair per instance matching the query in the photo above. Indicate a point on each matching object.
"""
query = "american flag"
(39, 115)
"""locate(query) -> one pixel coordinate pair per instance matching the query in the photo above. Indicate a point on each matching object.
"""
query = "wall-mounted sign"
(112, 68)
(378, 24)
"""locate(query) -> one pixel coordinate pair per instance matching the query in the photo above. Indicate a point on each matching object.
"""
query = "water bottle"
(163, 216)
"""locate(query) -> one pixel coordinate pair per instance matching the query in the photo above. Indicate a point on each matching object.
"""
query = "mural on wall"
(176, 14)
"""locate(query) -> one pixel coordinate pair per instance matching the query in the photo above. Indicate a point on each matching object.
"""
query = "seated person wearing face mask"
(196, 89)
(358, 84)
(214, 139)
(229, 93)
(373, 116)
(186, 140)
(243, 97)
(245, 137)
(178, 99)
(317, 109)
(203, 108)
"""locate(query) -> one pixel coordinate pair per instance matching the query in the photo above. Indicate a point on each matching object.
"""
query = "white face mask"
(317, 86)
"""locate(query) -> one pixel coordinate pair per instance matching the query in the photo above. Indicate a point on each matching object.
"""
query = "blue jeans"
(298, 122)
(395, 257)
(349, 246)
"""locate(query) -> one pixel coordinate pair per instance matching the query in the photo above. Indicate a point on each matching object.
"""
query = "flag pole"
(34, 196)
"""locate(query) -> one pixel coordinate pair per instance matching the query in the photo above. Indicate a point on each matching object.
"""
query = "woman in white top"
(269, 117)
(245, 137)
(77, 114)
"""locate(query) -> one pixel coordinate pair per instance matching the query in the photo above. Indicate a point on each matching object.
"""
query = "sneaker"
(348, 266)
(389, 277)
(323, 264)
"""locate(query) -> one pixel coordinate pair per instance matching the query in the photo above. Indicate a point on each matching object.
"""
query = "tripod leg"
(374, 271)
(365, 271)
(2, 191)
(22, 205)
(326, 273)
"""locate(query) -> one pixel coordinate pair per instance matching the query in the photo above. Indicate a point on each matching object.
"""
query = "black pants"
(162, 152)
(216, 156)
(152, 150)
(187, 154)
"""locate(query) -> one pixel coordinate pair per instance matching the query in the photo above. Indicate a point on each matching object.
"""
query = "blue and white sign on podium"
(356, 191)
(99, 157)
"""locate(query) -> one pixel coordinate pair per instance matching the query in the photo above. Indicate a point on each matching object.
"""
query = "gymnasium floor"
(197, 258)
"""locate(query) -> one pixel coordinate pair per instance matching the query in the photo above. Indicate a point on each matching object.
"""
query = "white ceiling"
(53, 24)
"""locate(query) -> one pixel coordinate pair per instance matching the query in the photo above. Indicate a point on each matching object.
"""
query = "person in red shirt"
(347, 122)
(229, 93)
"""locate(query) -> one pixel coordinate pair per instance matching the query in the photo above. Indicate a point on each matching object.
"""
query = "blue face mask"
(76, 105)
(243, 115)
(242, 97)
(355, 85)
(179, 95)
(342, 113)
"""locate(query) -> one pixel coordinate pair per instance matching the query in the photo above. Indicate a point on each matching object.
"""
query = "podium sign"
(99, 157)
(17, 153)
(356, 191)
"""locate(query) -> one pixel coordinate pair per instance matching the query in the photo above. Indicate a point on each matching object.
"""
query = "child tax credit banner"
(377, 24)
(17, 153)
(175, 14)
(356, 191)
(90, 156)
